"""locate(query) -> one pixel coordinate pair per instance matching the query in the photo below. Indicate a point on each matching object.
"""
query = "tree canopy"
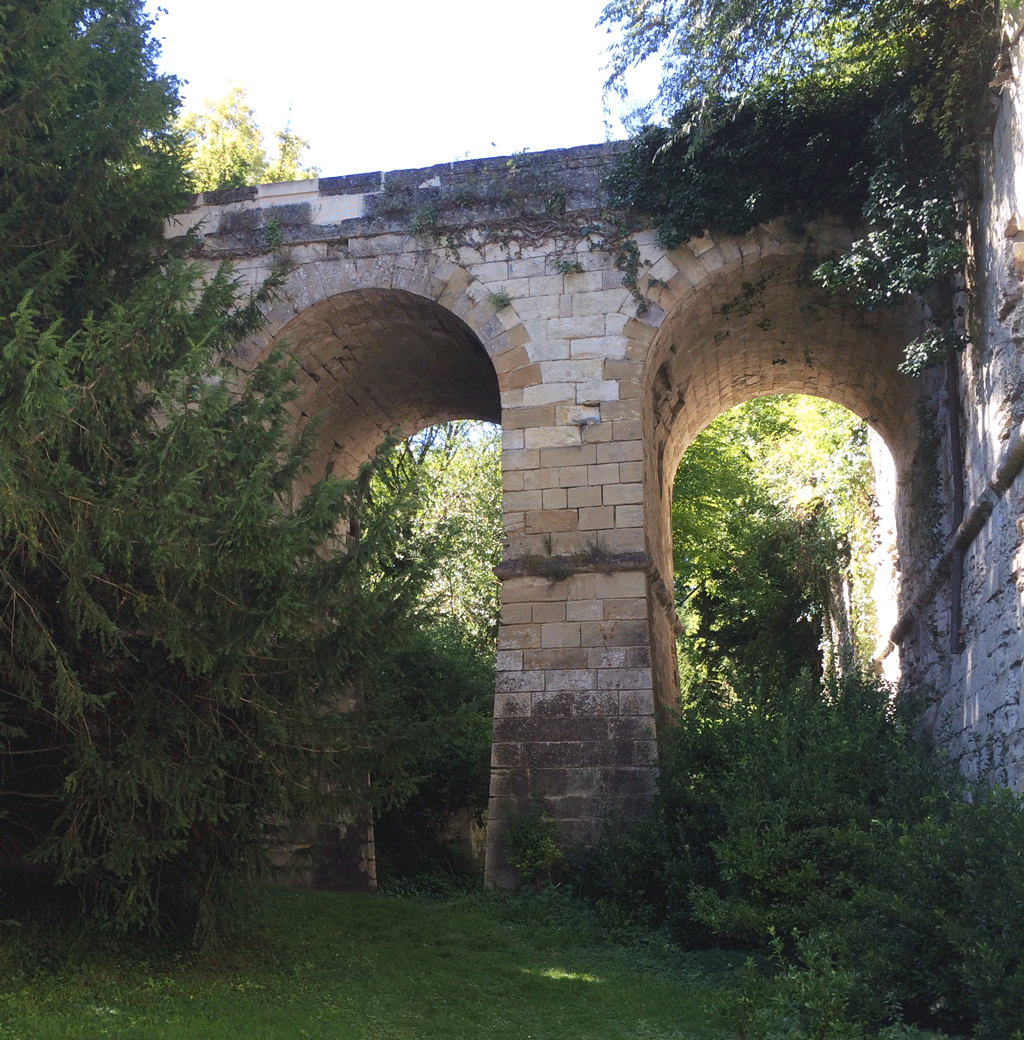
(225, 146)
(870, 110)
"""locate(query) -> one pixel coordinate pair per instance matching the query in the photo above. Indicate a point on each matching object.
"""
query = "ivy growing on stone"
(879, 130)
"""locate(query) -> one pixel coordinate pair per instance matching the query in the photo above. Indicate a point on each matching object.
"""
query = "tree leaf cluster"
(225, 146)
(818, 824)
(771, 522)
(869, 111)
(183, 644)
(440, 681)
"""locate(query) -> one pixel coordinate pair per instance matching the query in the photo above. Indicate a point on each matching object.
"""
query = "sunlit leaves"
(226, 150)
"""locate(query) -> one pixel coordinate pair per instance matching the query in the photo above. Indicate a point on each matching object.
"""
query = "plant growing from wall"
(500, 298)
(866, 110)
(531, 843)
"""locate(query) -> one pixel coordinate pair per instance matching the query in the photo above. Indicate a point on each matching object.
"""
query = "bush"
(947, 914)
(531, 844)
(819, 822)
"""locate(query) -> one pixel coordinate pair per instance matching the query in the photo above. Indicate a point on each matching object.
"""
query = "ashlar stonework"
(495, 290)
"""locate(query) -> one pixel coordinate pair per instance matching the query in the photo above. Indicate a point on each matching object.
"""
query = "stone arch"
(384, 348)
(751, 325)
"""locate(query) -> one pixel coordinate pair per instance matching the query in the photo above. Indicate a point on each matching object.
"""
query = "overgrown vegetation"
(439, 683)
(772, 525)
(174, 624)
(819, 820)
(870, 111)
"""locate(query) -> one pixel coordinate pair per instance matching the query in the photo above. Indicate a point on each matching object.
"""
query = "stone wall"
(977, 672)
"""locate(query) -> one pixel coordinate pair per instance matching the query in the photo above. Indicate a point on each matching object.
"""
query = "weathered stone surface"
(393, 309)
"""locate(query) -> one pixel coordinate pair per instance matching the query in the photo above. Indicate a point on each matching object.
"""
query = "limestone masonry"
(498, 289)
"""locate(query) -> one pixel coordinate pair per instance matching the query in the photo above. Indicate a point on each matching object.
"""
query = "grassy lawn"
(335, 967)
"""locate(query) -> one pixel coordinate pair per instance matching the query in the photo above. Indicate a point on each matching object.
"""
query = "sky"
(400, 84)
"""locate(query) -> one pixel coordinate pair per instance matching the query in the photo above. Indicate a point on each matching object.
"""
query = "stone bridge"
(501, 290)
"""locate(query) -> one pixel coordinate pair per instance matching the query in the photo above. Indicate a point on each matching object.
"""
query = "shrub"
(947, 913)
(531, 844)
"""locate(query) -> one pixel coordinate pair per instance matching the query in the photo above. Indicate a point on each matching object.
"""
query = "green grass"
(334, 967)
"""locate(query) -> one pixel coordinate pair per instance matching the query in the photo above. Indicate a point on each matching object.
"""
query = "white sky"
(400, 84)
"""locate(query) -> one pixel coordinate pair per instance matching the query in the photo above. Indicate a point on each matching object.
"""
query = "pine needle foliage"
(177, 633)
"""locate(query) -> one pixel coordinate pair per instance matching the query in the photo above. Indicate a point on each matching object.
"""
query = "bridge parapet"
(467, 194)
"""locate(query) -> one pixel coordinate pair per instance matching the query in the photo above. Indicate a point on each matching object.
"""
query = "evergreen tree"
(174, 626)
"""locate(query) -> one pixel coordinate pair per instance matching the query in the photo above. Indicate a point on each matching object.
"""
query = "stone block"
(574, 477)
(622, 494)
(511, 705)
(531, 589)
(631, 472)
(596, 518)
(555, 498)
(509, 360)
(613, 633)
(620, 451)
(509, 785)
(624, 679)
(625, 609)
(504, 756)
(614, 411)
(518, 637)
(566, 633)
(545, 521)
(551, 703)
(493, 271)
(547, 393)
(570, 455)
(521, 377)
(608, 657)
(572, 371)
(543, 349)
(521, 500)
(607, 473)
(595, 391)
(539, 479)
(571, 679)
(606, 753)
(552, 436)
(636, 702)
(538, 308)
(528, 418)
(583, 327)
(596, 702)
(606, 348)
(556, 659)
(551, 757)
(553, 610)
(519, 682)
(581, 497)
(545, 284)
(510, 660)
(601, 302)
(597, 432)
(629, 516)
(584, 610)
